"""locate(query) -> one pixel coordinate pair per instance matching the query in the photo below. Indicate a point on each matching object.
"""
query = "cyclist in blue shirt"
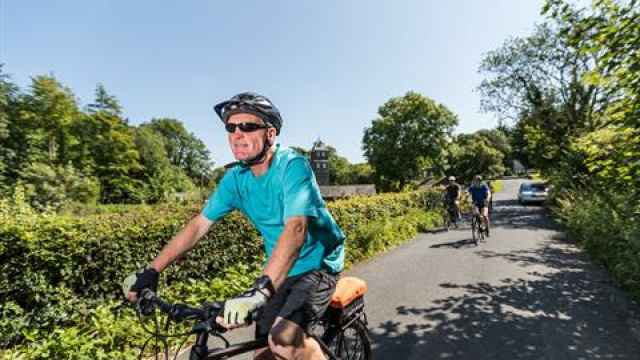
(480, 196)
(276, 189)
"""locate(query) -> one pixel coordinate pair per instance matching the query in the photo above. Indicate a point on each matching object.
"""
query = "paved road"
(525, 293)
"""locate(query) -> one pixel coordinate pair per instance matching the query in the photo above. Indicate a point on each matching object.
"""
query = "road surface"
(525, 293)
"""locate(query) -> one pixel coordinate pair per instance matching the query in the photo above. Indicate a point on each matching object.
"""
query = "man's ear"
(271, 134)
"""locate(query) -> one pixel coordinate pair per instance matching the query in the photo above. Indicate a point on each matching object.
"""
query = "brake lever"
(144, 306)
(212, 310)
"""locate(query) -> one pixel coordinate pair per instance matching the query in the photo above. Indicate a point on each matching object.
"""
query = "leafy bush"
(497, 186)
(606, 223)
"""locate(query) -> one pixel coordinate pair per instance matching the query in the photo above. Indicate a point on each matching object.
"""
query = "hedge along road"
(525, 293)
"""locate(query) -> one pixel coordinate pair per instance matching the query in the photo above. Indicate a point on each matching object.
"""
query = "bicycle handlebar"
(207, 313)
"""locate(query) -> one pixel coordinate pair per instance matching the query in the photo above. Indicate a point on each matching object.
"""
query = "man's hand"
(142, 279)
(237, 311)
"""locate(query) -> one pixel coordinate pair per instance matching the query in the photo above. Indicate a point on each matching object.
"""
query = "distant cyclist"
(480, 196)
(452, 193)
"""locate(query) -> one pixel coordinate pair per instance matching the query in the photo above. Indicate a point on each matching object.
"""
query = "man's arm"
(182, 242)
(287, 249)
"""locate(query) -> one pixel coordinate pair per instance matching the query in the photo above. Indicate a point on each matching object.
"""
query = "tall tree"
(162, 177)
(538, 80)
(338, 167)
(150, 144)
(184, 149)
(42, 127)
(498, 139)
(407, 139)
(105, 102)
(610, 29)
(107, 147)
(473, 154)
(8, 94)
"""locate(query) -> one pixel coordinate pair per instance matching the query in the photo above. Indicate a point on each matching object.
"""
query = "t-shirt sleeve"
(299, 191)
(223, 200)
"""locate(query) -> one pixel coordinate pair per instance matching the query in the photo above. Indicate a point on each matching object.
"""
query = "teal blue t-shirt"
(286, 190)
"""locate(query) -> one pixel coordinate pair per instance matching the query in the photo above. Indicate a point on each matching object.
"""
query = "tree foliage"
(184, 149)
(407, 139)
(610, 28)
(8, 92)
(538, 82)
(478, 153)
(62, 153)
(342, 172)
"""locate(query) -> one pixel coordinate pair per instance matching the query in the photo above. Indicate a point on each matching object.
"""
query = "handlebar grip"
(150, 296)
(182, 311)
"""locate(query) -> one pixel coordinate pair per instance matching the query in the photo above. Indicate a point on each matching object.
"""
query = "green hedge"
(606, 223)
(60, 275)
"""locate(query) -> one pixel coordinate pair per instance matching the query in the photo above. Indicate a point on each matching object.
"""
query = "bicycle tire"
(445, 220)
(352, 343)
(486, 230)
(474, 227)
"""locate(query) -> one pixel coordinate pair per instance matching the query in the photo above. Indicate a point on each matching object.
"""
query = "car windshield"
(534, 187)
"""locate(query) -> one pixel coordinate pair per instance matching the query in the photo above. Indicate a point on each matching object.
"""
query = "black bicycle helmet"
(250, 103)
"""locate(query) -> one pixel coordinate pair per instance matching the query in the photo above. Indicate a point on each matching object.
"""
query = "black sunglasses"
(244, 127)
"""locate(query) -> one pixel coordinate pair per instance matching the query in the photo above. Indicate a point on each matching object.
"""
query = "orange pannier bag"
(347, 290)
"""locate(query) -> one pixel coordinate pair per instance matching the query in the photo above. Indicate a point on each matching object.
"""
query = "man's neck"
(262, 168)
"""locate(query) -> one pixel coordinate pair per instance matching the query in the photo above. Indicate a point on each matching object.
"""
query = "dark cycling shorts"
(301, 299)
(480, 205)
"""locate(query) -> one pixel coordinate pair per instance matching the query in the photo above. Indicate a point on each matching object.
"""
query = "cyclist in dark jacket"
(480, 196)
(452, 194)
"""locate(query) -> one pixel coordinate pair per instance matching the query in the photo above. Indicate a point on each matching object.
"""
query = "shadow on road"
(554, 256)
(518, 318)
(510, 214)
(455, 244)
(436, 231)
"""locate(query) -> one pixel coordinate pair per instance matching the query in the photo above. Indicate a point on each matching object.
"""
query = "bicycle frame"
(201, 351)
(148, 302)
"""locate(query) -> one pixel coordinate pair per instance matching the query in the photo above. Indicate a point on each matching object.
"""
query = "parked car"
(533, 192)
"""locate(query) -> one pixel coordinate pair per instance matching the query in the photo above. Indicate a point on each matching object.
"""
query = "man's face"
(476, 182)
(246, 145)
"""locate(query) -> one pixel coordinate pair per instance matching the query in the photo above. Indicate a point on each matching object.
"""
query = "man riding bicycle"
(451, 196)
(480, 196)
(274, 186)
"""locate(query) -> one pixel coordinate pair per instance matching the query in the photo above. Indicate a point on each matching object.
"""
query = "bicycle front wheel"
(353, 342)
(474, 230)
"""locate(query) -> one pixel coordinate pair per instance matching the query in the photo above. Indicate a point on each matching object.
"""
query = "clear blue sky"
(328, 65)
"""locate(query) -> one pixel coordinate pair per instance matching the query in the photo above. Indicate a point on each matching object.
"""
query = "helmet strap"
(258, 159)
